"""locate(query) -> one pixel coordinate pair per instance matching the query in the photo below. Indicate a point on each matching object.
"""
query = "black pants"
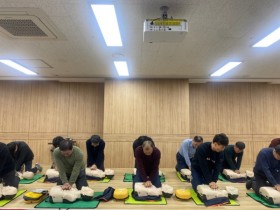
(80, 182)
(28, 167)
(181, 162)
(10, 179)
(258, 182)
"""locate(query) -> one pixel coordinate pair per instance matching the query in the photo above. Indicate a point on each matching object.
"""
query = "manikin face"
(66, 153)
(217, 147)
(148, 150)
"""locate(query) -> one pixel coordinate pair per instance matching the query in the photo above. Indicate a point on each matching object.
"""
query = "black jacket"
(208, 162)
(22, 155)
(7, 163)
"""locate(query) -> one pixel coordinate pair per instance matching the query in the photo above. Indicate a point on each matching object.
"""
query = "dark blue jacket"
(208, 162)
(267, 166)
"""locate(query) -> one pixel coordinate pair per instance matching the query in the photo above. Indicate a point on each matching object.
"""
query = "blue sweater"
(267, 166)
(187, 151)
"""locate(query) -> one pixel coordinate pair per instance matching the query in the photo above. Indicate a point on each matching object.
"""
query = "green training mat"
(4, 202)
(128, 177)
(180, 177)
(78, 204)
(262, 201)
(222, 178)
(197, 201)
(131, 200)
(29, 181)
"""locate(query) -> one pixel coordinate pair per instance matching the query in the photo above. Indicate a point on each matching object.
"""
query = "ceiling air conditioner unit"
(164, 29)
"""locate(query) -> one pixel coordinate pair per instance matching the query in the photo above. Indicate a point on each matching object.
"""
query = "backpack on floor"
(107, 195)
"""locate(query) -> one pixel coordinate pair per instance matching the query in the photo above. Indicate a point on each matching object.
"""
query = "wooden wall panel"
(119, 154)
(157, 108)
(13, 136)
(41, 150)
(50, 107)
(265, 108)
(246, 112)
(15, 106)
(125, 107)
(234, 108)
(203, 109)
(86, 105)
(168, 107)
(36, 112)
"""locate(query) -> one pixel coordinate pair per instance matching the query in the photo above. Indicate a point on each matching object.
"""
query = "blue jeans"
(137, 178)
(181, 162)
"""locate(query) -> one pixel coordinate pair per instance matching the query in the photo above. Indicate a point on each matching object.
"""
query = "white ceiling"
(219, 31)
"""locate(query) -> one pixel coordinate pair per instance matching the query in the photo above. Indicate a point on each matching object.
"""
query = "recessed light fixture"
(269, 39)
(107, 20)
(121, 67)
(18, 67)
(225, 68)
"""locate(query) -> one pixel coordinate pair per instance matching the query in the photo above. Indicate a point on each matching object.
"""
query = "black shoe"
(249, 184)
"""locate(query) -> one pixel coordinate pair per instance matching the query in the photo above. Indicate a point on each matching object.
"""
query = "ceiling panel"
(219, 31)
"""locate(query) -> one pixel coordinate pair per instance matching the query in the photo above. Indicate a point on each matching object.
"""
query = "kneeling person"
(7, 167)
(266, 170)
(70, 164)
(147, 161)
(207, 162)
(233, 156)
(186, 152)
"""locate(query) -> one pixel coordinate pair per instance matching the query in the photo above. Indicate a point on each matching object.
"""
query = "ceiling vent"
(25, 26)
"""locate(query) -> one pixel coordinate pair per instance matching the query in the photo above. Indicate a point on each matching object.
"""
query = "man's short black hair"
(221, 139)
(95, 139)
(198, 139)
(56, 141)
(240, 145)
(65, 145)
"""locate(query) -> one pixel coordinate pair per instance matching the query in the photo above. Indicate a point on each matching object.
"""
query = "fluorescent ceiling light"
(269, 39)
(225, 68)
(121, 67)
(18, 67)
(108, 24)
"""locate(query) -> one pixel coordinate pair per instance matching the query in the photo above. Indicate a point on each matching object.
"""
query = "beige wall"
(244, 111)
(120, 111)
(157, 108)
(36, 112)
